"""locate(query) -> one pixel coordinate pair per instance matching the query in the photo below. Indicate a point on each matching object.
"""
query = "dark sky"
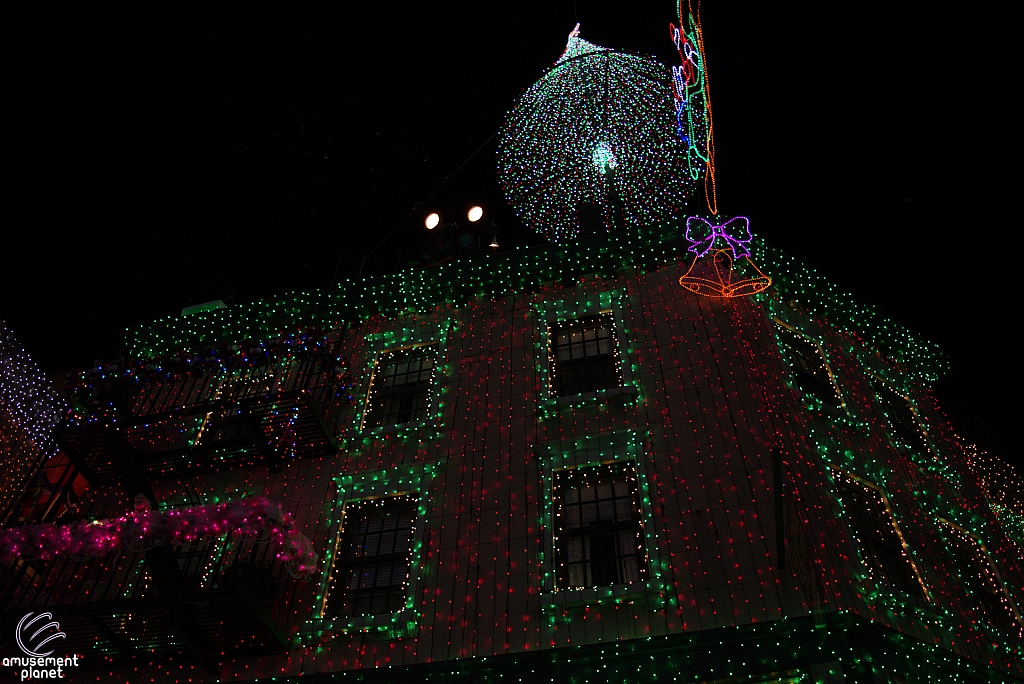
(162, 157)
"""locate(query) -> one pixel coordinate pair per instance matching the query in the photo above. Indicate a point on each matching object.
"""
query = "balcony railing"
(208, 421)
(216, 599)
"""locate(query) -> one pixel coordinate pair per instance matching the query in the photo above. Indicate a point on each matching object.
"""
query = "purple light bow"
(702, 235)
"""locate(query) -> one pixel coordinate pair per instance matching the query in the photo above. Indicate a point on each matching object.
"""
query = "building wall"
(708, 400)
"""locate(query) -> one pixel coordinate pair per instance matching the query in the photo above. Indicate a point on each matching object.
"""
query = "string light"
(518, 270)
(147, 529)
(983, 581)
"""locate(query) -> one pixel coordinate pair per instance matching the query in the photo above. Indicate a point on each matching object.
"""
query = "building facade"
(549, 464)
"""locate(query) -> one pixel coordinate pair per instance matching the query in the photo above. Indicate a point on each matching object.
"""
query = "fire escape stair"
(200, 437)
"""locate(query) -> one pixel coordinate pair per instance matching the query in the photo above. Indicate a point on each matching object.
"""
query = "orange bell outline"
(717, 274)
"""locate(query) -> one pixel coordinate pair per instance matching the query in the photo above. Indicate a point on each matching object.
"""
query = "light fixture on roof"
(494, 241)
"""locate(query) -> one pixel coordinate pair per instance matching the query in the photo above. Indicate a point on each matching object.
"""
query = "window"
(372, 562)
(400, 386)
(980, 579)
(901, 416)
(582, 356)
(599, 537)
(876, 534)
(810, 370)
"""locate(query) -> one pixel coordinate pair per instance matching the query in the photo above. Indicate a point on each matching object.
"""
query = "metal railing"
(228, 594)
(212, 420)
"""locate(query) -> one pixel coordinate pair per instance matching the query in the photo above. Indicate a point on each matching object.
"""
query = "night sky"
(176, 156)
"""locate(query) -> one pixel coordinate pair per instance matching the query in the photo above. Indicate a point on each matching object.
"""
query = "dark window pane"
(582, 356)
(599, 536)
(810, 371)
(603, 556)
(400, 390)
(373, 557)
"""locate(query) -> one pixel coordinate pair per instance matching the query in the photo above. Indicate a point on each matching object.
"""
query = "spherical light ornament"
(475, 213)
(432, 221)
(599, 128)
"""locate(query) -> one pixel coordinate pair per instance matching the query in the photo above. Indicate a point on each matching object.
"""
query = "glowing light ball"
(599, 128)
(432, 221)
(475, 213)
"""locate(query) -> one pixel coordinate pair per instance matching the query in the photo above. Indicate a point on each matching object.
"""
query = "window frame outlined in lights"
(981, 579)
(366, 526)
(793, 344)
(884, 552)
(622, 450)
(612, 520)
(420, 392)
(586, 345)
(409, 484)
(904, 422)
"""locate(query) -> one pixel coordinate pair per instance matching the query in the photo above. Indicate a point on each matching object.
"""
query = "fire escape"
(206, 601)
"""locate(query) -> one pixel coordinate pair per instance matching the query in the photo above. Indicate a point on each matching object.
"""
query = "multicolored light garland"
(688, 87)
(522, 270)
(84, 388)
(693, 100)
(143, 529)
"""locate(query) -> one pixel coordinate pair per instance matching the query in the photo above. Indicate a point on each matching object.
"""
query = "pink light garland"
(144, 529)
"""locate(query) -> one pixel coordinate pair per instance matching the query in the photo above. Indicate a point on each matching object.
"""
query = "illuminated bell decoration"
(721, 265)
